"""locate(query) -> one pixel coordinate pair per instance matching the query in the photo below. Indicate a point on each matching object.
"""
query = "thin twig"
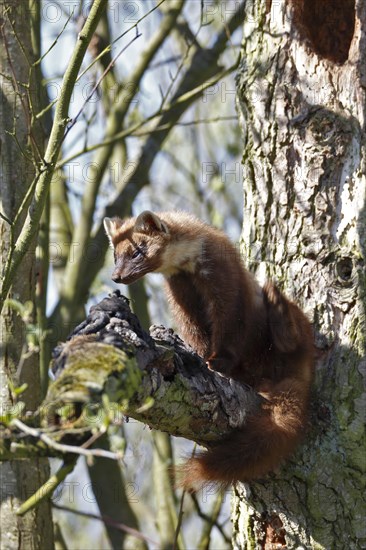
(46, 109)
(5, 218)
(179, 69)
(107, 521)
(26, 157)
(180, 513)
(180, 519)
(131, 131)
(108, 48)
(64, 448)
(38, 61)
(27, 198)
(100, 79)
(208, 518)
(187, 123)
(27, 111)
(167, 61)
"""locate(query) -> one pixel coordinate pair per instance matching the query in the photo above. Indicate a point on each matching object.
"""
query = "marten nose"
(116, 278)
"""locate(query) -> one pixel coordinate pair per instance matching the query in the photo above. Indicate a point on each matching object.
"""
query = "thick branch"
(111, 366)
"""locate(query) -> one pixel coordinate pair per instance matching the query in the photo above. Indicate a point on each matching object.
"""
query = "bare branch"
(111, 367)
(62, 448)
(107, 521)
(182, 101)
(100, 79)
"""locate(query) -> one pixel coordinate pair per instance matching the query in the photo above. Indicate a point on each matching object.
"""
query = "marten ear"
(148, 222)
(112, 226)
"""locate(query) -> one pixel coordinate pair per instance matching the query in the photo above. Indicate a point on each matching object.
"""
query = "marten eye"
(137, 253)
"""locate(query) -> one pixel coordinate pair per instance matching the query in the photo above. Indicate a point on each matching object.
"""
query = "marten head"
(139, 245)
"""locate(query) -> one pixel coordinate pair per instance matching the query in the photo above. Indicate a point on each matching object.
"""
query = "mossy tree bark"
(20, 141)
(301, 99)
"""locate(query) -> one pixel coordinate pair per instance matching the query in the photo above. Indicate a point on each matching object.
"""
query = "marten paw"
(283, 317)
(220, 364)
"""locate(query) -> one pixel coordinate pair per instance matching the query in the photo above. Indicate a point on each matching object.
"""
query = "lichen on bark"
(111, 367)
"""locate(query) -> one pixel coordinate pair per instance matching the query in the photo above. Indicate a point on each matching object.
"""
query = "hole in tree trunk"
(327, 25)
(344, 269)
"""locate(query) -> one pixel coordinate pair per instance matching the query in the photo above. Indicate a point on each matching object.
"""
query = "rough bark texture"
(301, 99)
(112, 367)
(17, 139)
(155, 377)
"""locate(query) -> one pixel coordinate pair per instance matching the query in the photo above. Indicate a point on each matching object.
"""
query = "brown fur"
(254, 335)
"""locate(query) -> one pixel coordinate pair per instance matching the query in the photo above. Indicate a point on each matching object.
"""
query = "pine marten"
(251, 334)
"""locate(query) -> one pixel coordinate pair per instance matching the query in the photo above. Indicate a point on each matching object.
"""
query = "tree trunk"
(301, 98)
(18, 140)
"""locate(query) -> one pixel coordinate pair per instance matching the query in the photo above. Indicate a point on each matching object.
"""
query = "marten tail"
(260, 446)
